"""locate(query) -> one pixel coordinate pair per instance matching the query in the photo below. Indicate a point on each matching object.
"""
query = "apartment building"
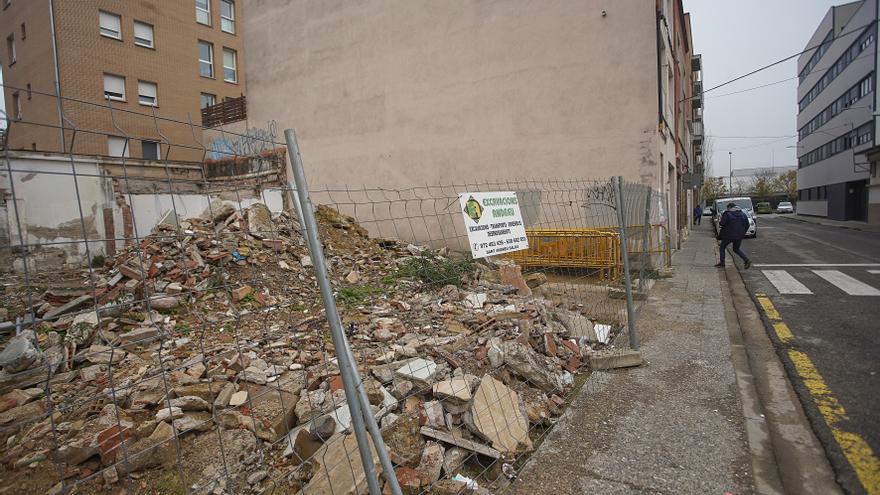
(401, 93)
(836, 102)
(117, 64)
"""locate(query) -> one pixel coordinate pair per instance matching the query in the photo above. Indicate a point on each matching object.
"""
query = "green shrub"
(434, 271)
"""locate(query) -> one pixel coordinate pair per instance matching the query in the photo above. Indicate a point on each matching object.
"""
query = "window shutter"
(144, 32)
(111, 23)
(114, 84)
(147, 89)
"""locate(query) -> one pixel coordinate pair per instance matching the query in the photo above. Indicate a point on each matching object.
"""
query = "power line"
(783, 80)
(750, 137)
(755, 145)
(786, 59)
(754, 88)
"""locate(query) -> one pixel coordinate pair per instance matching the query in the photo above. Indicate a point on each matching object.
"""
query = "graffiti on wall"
(253, 142)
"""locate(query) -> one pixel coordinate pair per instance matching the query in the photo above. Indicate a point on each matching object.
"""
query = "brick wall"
(85, 56)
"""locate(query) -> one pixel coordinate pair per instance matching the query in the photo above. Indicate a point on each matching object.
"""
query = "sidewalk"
(866, 227)
(674, 425)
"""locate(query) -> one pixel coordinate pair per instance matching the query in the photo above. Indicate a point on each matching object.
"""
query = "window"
(111, 25)
(206, 59)
(207, 100)
(143, 34)
(150, 150)
(203, 12)
(227, 16)
(16, 105)
(114, 87)
(10, 48)
(230, 73)
(147, 94)
(29, 91)
(117, 146)
(858, 46)
(23, 31)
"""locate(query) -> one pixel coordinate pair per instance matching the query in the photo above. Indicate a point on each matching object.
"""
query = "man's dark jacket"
(734, 224)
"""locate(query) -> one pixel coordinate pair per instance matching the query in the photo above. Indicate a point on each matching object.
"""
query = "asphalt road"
(819, 273)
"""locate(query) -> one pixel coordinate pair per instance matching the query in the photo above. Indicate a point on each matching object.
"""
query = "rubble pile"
(208, 356)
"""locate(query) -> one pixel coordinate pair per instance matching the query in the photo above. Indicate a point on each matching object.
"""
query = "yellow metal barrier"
(597, 249)
(658, 240)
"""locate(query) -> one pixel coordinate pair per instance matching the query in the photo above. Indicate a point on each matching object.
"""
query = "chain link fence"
(217, 326)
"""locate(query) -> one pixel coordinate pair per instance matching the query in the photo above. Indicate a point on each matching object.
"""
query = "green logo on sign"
(473, 209)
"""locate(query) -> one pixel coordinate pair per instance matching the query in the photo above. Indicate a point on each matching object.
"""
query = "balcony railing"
(227, 111)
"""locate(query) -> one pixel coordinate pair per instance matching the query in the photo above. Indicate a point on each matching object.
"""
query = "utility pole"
(730, 168)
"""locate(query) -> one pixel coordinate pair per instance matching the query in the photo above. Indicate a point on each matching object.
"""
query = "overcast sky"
(736, 37)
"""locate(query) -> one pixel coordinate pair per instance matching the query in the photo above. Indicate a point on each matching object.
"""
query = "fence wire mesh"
(166, 331)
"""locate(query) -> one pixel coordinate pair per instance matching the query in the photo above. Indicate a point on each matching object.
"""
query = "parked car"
(763, 207)
(707, 211)
(745, 203)
(785, 207)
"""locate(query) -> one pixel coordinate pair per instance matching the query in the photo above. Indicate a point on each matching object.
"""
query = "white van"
(745, 203)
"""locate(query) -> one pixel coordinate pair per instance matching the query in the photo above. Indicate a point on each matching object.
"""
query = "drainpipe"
(659, 42)
(57, 74)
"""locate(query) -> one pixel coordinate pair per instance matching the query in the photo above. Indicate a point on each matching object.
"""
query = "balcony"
(226, 112)
(697, 63)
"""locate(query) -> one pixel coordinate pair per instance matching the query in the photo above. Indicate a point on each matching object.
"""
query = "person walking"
(733, 226)
(698, 214)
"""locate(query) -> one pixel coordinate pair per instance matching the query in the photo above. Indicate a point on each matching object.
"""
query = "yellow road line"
(783, 332)
(769, 310)
(857, 451)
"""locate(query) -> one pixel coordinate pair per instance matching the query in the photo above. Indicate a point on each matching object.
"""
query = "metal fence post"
(350, 378)
(646, 256)
(621, 222)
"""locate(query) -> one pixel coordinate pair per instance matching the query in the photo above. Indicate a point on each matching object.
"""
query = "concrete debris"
(498, 417)
(532, 366)
(615, 358)
(20, 353)
(232, 342)
(238, 398)
(419, 371)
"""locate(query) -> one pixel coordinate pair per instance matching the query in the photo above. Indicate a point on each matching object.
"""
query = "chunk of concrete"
(420, 371)
(614, 358)
(338, 467)
(20, 353)
(532, 366)
(497, 417)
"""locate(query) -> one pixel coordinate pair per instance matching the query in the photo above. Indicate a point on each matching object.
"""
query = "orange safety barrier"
(597, 249)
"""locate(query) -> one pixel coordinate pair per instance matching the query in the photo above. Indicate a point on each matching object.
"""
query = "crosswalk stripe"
(875, 272)
(785, 283)
(847, 284)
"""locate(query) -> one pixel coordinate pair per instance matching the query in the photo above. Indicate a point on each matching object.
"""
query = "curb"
(787, 457)
(763, 461)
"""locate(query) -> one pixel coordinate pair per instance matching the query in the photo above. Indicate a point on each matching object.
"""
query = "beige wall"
(404, 92)
(85, 56)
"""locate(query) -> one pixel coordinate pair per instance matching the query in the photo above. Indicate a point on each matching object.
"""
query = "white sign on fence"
(494, 223)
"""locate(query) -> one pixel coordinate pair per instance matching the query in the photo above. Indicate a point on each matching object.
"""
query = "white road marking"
(785, 283)
(847, 284)
(791, 265)
(875, 272)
